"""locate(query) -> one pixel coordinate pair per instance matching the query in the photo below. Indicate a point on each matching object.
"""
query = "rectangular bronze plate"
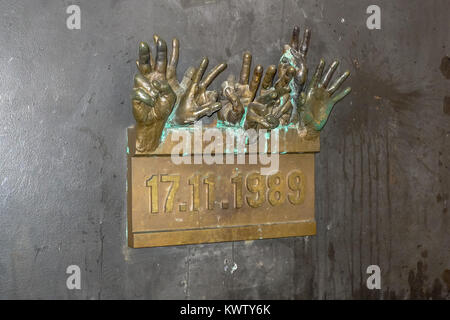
(171, 204)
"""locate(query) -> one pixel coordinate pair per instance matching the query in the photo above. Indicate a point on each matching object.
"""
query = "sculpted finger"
(161, 57)
(245, 70)
(141, 96)
(301, 75)
(214, 108)
(207, 110)
(163, 88)
(267, 122)
(172, 67)
(341, 95)
(318, 74)
(193, 89)
(144, 63)
(232, 97)
(335, 86)
(141, 82)
(283, 109)
(290, 73)
(268, 77)
(212, 75)
(187, 78)
(201, 70)
(326, 79)
(269, 97)
(285, 78)
(305, 43)
(295, 39)
(256, 80)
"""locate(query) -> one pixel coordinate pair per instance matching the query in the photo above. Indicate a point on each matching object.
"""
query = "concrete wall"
(382, 181)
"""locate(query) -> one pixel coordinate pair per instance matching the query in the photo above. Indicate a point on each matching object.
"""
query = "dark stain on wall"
(446, 107)
(445, 67)
(446, 278)
(418, 288)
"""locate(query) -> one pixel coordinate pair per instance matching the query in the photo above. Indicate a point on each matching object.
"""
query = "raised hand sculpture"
(237, 95)
(259, 113)
(168, 69)
(158, 96)
(273, 106)
(319, 99)
(153, 98)
(157, 93)
(294, 55)
(196, 102)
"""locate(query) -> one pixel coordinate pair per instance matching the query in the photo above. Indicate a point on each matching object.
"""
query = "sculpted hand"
(292, 66)
(294, 55)
(197, 102)
(318, 101)
(146, 64)
(237, 95)
(259, 113)
(159, 69)
(152, 104)
(152, 97)
(273, 106)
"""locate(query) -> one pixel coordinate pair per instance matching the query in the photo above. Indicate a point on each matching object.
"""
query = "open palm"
(319, 99)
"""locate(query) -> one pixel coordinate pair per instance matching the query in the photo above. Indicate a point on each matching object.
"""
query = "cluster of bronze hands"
(157, 93)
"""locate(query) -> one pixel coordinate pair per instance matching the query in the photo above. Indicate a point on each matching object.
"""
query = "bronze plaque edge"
(164, 149)
(214, 235)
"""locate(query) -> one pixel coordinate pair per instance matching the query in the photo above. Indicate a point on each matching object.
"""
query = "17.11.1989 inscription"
(275, 189)
(170, 204)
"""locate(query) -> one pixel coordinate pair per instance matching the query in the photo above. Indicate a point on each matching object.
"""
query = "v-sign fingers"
(305, 43)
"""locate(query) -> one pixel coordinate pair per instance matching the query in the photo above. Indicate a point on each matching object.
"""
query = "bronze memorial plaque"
(172, 204)
(225, 165)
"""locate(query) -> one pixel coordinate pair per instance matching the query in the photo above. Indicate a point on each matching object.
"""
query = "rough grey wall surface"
(382, 181)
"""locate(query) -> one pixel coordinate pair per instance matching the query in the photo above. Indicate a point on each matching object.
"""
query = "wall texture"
(382, 181)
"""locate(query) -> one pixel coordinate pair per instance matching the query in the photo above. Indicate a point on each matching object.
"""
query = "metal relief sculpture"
(157, 91)
(319, 99)
(278, 99)
(287, 101)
